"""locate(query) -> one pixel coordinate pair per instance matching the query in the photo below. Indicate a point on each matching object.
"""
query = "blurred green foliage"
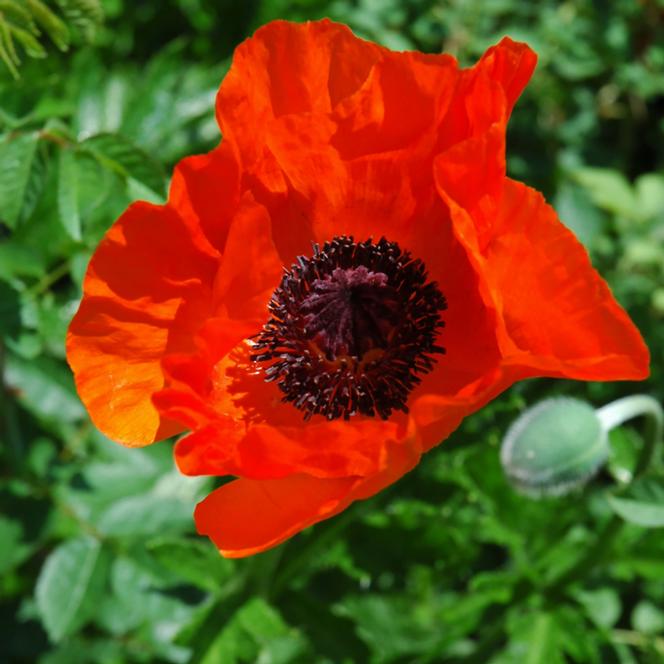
(99, 561)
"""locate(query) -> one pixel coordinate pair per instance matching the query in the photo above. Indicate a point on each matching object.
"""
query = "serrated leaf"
(16, 157)
(70, 584)
(36, 184)
(54, 27)
(643, 505)
(68, 193)
(120, 155)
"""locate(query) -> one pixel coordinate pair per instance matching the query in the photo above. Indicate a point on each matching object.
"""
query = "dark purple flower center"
(351, 329)
(350, 311)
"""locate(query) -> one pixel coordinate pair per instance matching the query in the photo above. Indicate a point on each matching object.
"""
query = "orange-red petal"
(560, 315)
(556, 315)
(288, 68)
(245, 517)
(147, 288)
(205, 192)
(251, 267)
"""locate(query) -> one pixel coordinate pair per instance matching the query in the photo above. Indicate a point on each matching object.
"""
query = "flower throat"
(351, 329)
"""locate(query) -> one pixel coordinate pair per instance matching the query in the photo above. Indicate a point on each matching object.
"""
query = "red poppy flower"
(328, 293)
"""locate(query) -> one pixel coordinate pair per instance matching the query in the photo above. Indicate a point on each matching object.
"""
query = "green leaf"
(150, 513)
(17, 260)
(542, 641)
(17, 13)
(195, 561)
(120, 155)
(643, 505)
(386, 625)
(136, 598)
(32, 47)
(648, 618)
(609, 190)
(9, 51)
(43, 388)
(535, 638)
(36, 185)
(70, 585)
(51, 23)
(603, 605)
(86, 15)
(16, 157)
(578, 213)
(650, 195)
(68, 193)
(256, 633)
(86, 651)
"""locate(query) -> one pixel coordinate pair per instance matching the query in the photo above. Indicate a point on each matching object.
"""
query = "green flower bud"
(554, 447)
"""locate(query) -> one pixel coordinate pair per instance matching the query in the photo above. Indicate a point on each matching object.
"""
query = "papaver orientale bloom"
(330, 291)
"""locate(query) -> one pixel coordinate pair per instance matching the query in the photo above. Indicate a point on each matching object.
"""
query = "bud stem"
(621, 410)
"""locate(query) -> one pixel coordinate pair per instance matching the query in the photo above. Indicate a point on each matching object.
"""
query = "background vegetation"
(98, 557)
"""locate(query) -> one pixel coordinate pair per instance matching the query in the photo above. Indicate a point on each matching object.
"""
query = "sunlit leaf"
(70, 584)
(43, 388)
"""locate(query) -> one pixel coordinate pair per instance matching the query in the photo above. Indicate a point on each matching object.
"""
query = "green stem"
(47, 281)
(639, 405)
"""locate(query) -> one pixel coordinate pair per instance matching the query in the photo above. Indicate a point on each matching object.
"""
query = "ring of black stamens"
(351, 329)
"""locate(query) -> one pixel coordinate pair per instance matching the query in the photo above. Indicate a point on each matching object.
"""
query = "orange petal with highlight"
(146, 290)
